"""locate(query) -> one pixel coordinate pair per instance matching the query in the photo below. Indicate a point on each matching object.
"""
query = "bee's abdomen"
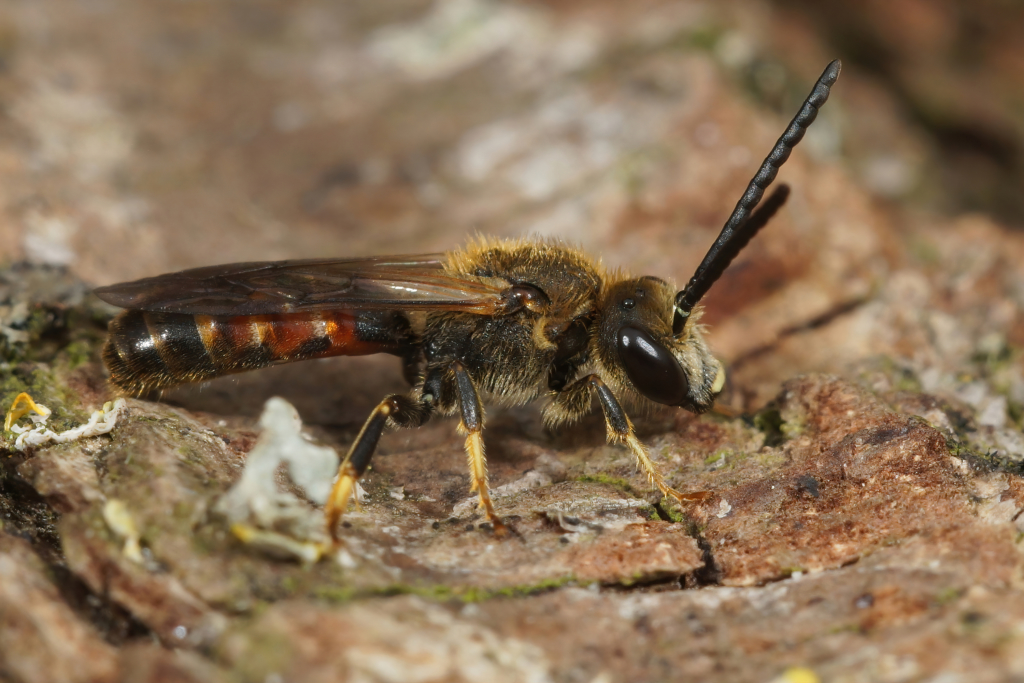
(148, 350)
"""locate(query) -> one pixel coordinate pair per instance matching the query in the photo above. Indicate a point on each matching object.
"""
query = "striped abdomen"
(148, 350)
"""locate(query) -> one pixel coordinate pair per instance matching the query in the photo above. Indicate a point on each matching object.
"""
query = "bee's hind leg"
(574, 401)
(401, 411)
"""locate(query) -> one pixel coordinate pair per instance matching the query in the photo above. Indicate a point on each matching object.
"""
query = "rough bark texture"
(865, 473)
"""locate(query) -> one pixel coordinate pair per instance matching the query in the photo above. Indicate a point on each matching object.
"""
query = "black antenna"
(742, 225)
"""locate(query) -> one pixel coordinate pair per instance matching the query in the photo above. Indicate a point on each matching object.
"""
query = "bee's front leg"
(401, 411)
(574, 401)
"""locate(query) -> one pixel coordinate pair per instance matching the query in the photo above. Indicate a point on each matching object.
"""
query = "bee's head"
(637, 339)
(649, 340)
(648, 332)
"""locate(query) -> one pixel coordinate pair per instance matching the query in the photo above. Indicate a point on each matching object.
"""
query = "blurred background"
(138, 138)
(144, 137)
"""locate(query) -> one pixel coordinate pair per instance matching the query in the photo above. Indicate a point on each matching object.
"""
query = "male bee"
(513, 320)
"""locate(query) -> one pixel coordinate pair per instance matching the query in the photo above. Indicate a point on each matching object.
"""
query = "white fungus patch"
(100, 422)
(256, 507)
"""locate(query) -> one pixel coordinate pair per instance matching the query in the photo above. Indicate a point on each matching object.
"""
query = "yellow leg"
(341, 493)
(355, 464)
(648, 466)
(478, 477)
(620, 430)
(472, 425)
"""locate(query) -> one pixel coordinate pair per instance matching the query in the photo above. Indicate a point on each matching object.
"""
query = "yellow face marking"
(719, 380)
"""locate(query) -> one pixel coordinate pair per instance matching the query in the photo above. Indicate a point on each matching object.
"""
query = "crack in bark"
(27, 515)
(710, 574)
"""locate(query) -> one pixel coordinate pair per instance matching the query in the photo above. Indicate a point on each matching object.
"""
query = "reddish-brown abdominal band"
(150, 350)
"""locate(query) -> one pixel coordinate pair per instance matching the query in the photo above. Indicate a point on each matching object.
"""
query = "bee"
(511, 320)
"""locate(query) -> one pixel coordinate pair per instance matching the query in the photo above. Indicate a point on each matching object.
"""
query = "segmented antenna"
(742, 224)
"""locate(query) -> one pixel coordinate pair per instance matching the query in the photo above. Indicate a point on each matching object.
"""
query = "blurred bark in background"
(865, 521)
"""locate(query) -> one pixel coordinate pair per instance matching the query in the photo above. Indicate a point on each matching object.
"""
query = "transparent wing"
(265, 288)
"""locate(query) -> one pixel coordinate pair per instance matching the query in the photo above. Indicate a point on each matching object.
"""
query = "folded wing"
(416, 282)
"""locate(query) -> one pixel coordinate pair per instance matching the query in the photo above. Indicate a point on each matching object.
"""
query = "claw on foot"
(500, 530)
(690, 497)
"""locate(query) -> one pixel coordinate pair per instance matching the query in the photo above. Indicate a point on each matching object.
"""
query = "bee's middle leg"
(472, 426)
(399, 410)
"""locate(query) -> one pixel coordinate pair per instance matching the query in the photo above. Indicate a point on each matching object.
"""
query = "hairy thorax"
(552, 292)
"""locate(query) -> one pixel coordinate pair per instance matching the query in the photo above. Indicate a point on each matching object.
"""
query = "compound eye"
(651, 368)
